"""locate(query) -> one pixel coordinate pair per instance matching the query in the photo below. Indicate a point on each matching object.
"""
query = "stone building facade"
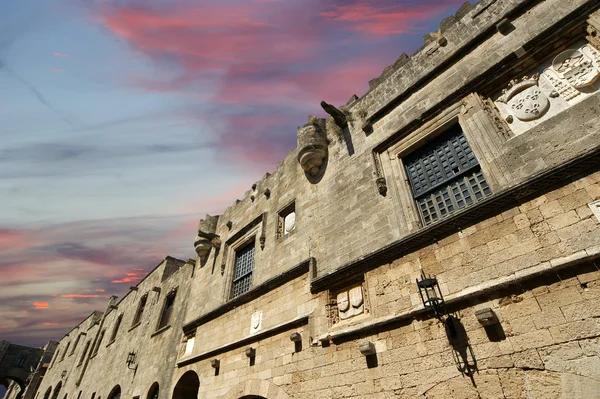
(438, 237)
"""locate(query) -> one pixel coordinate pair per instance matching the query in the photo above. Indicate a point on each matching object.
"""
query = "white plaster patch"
(189, 345)
(595, 207)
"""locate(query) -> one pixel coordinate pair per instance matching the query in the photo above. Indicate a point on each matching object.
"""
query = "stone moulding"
(552, 266)
(347, 273)
(294, 323)
(312, 146)
(293, 273)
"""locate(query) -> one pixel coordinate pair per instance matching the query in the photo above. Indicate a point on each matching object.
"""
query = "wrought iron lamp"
(432, 298)
(131, 361)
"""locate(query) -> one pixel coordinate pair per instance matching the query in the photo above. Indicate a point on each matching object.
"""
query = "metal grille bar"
(445, 177)
(242, 274)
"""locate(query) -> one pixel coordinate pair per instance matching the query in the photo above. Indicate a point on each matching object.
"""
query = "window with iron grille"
(165, 317)
(242, 274)
(445, 176)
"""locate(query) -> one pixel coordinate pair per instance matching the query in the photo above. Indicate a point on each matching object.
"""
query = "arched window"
(153, 391)
(140, 310)
(54, 358)
(187, 386)
(48, 392)
(115, 393)
(76, 343)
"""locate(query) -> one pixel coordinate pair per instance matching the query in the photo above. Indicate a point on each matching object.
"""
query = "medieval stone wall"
(333, 309)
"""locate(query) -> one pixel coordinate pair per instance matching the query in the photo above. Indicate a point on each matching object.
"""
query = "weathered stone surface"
(529, 251)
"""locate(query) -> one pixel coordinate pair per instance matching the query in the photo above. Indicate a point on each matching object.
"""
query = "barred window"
(445, 176)
(242, 274)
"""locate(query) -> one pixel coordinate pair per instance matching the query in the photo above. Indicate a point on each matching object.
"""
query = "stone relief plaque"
(256, 322)
(525, 99)
(350, 303)
(552, 87)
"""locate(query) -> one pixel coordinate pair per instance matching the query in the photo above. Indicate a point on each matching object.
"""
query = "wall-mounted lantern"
(131, 361)
(432, 298)
(215, 363)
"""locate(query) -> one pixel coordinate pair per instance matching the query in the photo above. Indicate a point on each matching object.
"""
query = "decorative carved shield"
(256, 321)
(529, 104)
(289, 223)
(356, 297)
(342, 302)
(576, 67)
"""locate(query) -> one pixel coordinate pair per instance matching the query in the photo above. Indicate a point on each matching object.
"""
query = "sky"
(124, 122)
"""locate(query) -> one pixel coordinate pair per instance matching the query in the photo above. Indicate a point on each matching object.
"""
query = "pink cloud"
(50, 324)
(384, 19)
(100, 290)
(82, 296)
(130, 277)
(41, 305)
(60, 54)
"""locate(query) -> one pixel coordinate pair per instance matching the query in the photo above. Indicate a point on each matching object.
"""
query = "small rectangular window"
(286, 220)
(21, 361)
(140, 310)
(75, 344)
(242, 274)
(165, 317)
(85, 349)
(100, 338)
(113, 336)
(445, 176)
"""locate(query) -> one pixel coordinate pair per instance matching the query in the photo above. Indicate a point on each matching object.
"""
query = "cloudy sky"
(123, 122)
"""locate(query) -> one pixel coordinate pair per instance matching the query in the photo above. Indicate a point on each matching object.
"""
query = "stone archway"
(256, 389)
(187, 387)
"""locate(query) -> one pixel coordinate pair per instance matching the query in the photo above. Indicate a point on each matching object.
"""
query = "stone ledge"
(269, 285)
(553, 265)
(510, 196)
(298, 321)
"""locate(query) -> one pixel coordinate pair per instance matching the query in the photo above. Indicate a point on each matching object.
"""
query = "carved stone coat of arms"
(350, 303)
(525, 99)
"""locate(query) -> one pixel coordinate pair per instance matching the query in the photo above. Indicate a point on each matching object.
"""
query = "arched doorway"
(115, 393)
(48, 392)
(57, 390)
(187, 386)
(153, 391)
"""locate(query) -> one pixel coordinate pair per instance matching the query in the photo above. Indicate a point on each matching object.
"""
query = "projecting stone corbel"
(312, 146)
(206, 237)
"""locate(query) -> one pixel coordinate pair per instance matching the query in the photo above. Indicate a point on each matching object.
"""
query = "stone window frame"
(281, 214)
(115, 330)
(392, 164)
(159, 324)
(250, 236)
(99, 343)
(139, 311)
(86, 347)
(76, 342)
